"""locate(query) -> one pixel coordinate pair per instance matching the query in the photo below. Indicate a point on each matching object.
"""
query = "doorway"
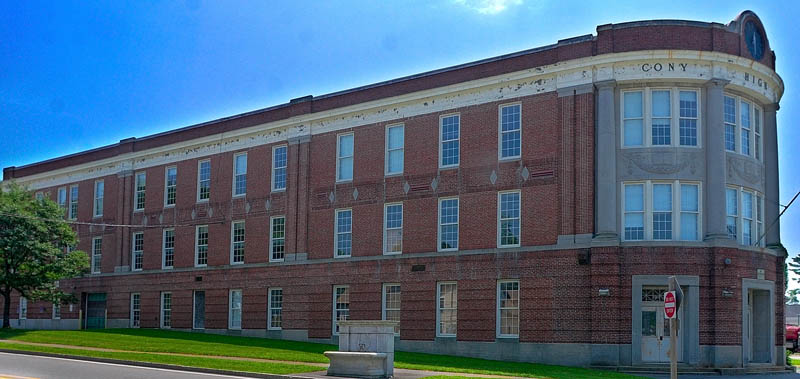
(95, 311)
(758, 325)
(656, 338)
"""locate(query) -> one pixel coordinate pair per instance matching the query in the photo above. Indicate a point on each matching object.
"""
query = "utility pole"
(672, 303)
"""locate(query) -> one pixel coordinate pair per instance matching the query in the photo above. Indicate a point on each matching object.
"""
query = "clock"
(754, 40)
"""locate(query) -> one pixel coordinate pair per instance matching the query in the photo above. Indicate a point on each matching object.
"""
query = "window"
(745, 216)
(140, 188)
(275, 306)
(199, 310)
(62, 198)
(508, 219)
(393, 229)
(510, 131)
(97, 253)
(690, 212)
(449, 134)
(447, 309)
(634, 212)
(743, 120)
(344, 233)
(660, 120)
(277, 239)
(633, 118)
(168, 258)
(237, 242)
(137, 255)
(39, 196)
(688, 118)
(448, 224)
(23, 308)
(56, 311)
(201, 246)
(166, 310)
(136, 310)
(508, 308)
(668, 112)
(391, 305)
(239, 174)
(235, 312)
(394, 149)
(203, 180)
(662, 211)
(279, 168)
(344, 161)
(171, 186)
(732, 210)
(73, 202)
(341, 306)
(98, 198)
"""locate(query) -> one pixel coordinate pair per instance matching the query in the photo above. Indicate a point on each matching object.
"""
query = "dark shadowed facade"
(525, 207)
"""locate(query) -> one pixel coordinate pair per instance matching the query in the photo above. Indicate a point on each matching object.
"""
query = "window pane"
(661, 104)
(634, 226)
(346, 145)
(689, 197)
(730, 201)
(510, 124)
(634, 198)
(730, 110)
(688, 103)
(396, 161)
(689, 226)
(633, 104)
(633, 133)
(662, 197)
(345, 168)
(395, 137)
(661, 131)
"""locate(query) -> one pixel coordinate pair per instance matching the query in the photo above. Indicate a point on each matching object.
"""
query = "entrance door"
(199, 310)
(758, 308)
(96, 311)
(655, 327)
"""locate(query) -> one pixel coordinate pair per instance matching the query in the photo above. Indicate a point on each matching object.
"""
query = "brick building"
(524, 207)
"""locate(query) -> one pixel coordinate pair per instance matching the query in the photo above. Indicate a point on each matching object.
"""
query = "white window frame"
(334, 330)
(133, 322)
(163, 310)
(56, 311)
(756, 111)
(387, 151)
(440, 225)
(23, 308)
(74, 195)
(272, 239)
(97, 204)
(135, 253)
(336, 233)
(339, 157)
(442, 141)
(233, 242)
(500, 132)
(233, 183)
(200, 180)
(384, 307)
(137, 192)
(197, 245)
(676, 209)
(167, 186)
(231, 310)
(498, 308)
(285, 168)
(271, 307)
(164, 248)
(439, 308)
(675, 116)
(499, 220)
(95, 269)
(194, 310)
(386, 228)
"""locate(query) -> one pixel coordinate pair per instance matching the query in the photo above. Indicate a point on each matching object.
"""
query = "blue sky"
(75, 75)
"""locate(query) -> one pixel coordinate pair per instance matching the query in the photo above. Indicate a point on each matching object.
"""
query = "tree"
(33, 249)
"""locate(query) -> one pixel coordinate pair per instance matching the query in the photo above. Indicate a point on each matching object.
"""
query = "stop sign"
(669, 304)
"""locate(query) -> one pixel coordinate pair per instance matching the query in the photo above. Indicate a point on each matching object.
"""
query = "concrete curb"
(156, 365)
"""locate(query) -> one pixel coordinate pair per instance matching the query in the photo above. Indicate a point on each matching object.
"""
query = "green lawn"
(165, 341)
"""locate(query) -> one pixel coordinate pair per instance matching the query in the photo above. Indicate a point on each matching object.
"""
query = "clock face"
(754, 40)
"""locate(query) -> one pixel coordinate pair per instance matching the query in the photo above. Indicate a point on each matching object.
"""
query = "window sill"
(282, 190)
(201, 266)
(167, 206)
(392, 174)
(202, 201)
(508, 246)
(276, 260)
(342, 256)
(392, 253)
(446, 250)
(341, 181)
(449, 167)
(509, 159)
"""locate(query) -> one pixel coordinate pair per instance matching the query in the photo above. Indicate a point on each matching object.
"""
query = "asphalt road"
(17, 366)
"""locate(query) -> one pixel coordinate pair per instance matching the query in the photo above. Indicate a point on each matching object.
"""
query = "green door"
(96, 311)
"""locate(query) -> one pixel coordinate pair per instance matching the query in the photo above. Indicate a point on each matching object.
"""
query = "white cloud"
(489, 7)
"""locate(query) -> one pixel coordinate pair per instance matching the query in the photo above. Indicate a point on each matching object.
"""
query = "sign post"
(672, 302)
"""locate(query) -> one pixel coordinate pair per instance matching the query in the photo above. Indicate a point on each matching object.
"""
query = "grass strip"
(201, 362)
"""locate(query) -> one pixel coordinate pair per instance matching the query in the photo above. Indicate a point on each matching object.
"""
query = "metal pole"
(673, 324)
